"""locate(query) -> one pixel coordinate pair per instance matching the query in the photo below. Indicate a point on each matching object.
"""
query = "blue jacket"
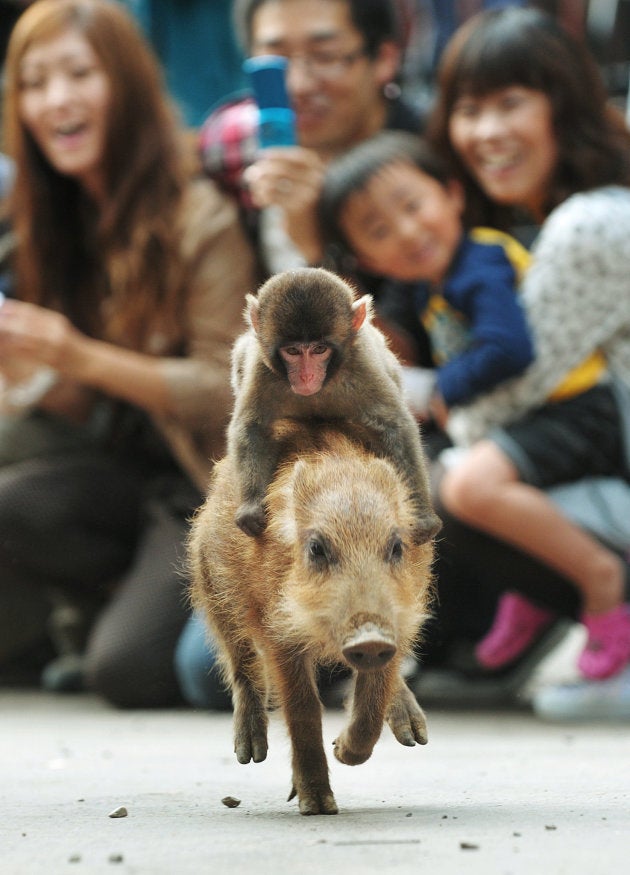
(476, 325)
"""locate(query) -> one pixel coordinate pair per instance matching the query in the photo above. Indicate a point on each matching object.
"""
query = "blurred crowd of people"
(467, 164)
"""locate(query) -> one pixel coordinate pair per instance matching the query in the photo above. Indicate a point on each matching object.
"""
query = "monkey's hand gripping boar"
(335, 578)
(312, 354)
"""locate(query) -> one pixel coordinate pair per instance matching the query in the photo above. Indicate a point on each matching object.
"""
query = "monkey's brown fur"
(362, 394)
(336, 564)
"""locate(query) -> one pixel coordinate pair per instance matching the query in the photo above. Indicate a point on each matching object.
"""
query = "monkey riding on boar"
(331, 559)
(312, 354)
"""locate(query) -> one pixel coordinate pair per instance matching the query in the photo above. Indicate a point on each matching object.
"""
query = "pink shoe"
(607, 649)
(516, 625)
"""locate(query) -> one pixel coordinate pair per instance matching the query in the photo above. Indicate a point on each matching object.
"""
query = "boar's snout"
(368, 648)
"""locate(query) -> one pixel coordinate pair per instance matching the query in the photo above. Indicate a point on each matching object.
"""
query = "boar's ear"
(301, 483)
(361, 310)
(284, 521)
(251, 312)
(285, 526)
(299, 470)
(383, 472)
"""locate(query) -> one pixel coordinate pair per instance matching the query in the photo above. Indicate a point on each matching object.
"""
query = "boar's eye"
(395, 549)
(316, 552)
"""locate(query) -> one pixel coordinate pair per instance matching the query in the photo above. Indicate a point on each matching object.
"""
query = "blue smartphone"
(277, 118)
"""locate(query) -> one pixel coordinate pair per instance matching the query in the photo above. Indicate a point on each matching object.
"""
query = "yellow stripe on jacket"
(589, 372)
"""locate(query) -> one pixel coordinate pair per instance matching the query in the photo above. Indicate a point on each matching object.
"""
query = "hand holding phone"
(277, 117)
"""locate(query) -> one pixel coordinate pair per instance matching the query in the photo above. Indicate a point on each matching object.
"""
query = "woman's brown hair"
(70, 253)
(527, 47)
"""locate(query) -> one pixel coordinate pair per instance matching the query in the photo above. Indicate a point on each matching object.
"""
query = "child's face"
(404, 224)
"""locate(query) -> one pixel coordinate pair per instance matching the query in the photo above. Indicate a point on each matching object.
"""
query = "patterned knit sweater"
(576, 295)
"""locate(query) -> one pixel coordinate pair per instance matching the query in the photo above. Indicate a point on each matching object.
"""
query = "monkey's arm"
(256, 453)
(239, 355)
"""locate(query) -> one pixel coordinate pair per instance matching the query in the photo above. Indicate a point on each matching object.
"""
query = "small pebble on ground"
(231, 802)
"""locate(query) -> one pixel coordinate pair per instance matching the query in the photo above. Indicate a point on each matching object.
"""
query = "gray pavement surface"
(491, 793)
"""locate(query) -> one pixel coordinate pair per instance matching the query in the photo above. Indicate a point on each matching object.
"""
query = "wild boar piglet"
(335, 577)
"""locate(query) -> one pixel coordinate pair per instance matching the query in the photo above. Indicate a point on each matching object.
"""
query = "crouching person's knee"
(469, 489)
(129, 677)
(459, 492)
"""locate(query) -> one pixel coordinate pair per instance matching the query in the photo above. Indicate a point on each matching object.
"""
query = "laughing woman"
(129, 282)
(524, 118)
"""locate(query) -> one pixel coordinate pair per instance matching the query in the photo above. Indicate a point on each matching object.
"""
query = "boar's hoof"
(251, 747)
(315, 801)
(347, 756)
(406, 719)
(250, 725)
(250, 518)
(368, 649)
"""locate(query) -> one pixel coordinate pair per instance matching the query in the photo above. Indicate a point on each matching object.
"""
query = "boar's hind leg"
(373, 691)
(406, 718)
(303, 714)
(250, 713)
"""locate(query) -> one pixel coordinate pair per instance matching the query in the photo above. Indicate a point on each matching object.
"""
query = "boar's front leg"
(406, 718)
(303, 715)
(373, 692)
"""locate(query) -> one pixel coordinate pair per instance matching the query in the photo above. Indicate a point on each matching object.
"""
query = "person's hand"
(291, 178)
(418, 386)
(37, 346)
(85, 364)
(38, 335)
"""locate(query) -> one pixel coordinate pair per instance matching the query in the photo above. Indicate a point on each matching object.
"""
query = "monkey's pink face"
(306, 365)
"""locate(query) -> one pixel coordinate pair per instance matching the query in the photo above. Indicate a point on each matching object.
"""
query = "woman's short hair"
(530, 48)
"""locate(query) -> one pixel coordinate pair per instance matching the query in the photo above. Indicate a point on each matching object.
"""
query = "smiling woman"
(129, 279)
(507, 140)
(523, 117)
(65, 97)
(519, 98)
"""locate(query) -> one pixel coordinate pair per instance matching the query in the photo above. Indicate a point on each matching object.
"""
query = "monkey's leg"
(371, 698)
(399, 441)
(303, 715)
(411, 464)
(406, 718)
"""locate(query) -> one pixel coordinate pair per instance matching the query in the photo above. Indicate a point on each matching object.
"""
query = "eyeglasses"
(327, 66)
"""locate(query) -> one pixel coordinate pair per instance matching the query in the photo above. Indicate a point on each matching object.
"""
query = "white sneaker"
(606, 700)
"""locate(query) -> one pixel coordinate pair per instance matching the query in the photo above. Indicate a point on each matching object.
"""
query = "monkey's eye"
(291, 350)
(395, 549)
(320, 349)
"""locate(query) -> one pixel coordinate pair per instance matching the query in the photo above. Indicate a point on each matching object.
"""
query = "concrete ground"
(498, 793)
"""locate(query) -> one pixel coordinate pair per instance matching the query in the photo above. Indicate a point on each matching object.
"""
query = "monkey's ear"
(251, 311)
(361, 310)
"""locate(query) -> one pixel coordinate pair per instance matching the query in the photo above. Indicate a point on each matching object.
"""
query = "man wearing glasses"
(344, 57)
